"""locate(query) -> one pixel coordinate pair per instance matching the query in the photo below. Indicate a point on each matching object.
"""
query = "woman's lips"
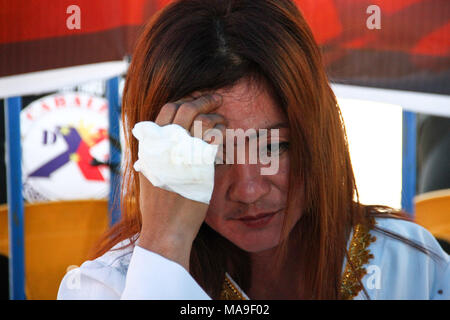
(258, 221)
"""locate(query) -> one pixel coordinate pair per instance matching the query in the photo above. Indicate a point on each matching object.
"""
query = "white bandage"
(171, 159)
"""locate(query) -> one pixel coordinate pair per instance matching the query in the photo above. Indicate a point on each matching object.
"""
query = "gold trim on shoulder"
(359, 256)
(350, 286)
(230, 291)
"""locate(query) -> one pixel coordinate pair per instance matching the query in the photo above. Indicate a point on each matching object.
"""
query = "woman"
(297, 234)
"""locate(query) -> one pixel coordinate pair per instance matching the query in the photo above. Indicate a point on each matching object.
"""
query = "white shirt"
(397, 271)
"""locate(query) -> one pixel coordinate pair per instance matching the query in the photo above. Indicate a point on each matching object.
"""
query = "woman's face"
(240, 191)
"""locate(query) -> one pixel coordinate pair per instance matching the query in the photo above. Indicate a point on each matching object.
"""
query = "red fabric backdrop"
(411, 51)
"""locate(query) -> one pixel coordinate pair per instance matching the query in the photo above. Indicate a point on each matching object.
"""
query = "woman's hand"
(171, 222)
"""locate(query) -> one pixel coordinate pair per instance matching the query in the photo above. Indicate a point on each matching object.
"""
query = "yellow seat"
(57, 235)
(433, 212)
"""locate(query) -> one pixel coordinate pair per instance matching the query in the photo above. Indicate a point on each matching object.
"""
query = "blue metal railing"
(409, 161)
(112, 94)
(15, 200)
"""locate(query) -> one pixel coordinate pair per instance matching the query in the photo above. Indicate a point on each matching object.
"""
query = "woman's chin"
(255, 245)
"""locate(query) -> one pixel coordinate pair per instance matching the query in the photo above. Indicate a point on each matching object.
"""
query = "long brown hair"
(209, 44)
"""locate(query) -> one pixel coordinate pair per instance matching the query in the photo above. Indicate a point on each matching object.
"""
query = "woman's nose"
(248, 184)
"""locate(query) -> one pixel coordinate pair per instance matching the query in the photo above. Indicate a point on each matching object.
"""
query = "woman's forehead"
(247, 107)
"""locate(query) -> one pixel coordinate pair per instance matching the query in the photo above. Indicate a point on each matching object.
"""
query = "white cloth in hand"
(171, 159)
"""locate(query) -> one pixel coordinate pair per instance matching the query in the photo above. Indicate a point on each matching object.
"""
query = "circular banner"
(65, 148)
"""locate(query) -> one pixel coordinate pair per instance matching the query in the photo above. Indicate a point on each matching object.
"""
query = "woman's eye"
(276, 147)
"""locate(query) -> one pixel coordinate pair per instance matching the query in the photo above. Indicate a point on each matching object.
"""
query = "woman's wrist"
(173, 247)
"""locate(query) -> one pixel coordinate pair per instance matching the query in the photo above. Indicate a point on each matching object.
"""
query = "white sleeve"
(150, 276)
(153, 277)
(399, 271)
(92, 281)
(442, 285)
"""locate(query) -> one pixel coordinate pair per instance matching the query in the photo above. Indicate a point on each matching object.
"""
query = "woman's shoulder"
(407, 262)
(405, 228)
(397, 236)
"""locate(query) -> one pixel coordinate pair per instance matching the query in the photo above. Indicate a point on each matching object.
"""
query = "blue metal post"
(112, 94)
(409, 162)
(15, 199)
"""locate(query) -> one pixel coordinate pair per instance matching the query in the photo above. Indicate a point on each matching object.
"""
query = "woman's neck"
(268, 283)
